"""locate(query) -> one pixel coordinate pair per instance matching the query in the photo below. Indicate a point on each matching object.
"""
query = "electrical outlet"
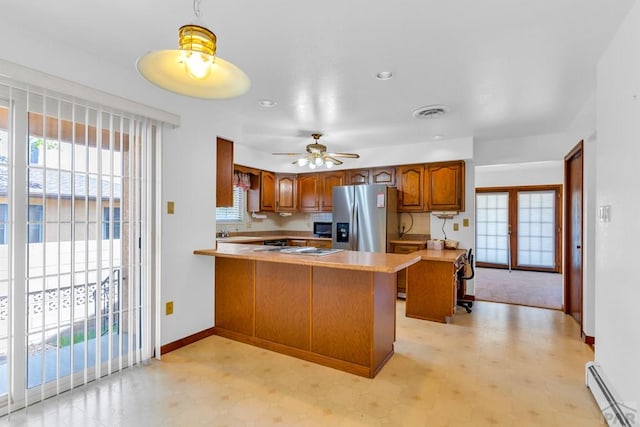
(465, 222)
(455, 226)
(248, 225)
(171, 208)
(169, 308)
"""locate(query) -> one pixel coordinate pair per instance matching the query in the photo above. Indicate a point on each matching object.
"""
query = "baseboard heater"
(614, 412)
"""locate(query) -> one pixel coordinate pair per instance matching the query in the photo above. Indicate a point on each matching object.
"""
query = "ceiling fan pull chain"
(196, 8)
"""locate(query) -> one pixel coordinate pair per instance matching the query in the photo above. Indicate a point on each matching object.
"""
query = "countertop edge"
(326, 261)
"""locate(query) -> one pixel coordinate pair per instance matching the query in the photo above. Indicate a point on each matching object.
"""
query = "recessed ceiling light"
(438, 137)
(384, 75)
(267, 103)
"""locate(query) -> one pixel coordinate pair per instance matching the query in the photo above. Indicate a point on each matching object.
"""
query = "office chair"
(466, 304)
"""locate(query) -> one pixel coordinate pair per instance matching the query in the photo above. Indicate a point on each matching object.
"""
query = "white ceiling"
(506, 68)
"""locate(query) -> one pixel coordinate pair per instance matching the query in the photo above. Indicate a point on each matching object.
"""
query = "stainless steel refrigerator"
(365, 217)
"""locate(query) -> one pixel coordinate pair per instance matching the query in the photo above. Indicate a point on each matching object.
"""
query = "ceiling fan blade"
(333, 159)
(346, 155)
(288, 154)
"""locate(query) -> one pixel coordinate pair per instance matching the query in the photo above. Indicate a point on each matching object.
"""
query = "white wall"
(583, 128)
(520, 174)
(617, 285)
(536, 148)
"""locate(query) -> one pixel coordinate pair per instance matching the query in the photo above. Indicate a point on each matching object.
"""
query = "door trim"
(513, 221)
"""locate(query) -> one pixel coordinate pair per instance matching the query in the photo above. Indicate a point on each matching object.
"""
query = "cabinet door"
(267, 191)
(445, 186)
(358, 177)
(383, 176)
(308, 193)
(286, 193)
(410, 188)
(329, 180)
(224, 172)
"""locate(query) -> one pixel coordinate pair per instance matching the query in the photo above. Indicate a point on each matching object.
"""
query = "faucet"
(224, 233)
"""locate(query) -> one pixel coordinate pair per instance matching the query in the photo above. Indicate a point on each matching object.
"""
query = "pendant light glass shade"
(193, 69)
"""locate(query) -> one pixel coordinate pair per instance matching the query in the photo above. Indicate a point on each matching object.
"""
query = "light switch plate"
(455, 226)
(465, 222)
(605, 213)
(171, 208)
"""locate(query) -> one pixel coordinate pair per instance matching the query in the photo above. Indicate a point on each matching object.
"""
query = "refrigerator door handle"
(353, 244)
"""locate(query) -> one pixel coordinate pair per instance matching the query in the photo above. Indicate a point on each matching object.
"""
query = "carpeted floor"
(519, 287)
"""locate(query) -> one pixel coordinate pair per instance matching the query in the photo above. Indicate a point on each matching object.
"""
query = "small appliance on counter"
(322, 229)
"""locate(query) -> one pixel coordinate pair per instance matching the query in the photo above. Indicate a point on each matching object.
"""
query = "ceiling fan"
(317, 155)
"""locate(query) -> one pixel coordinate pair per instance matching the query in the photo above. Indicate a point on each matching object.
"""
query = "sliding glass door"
(73, 213)
(519, 227)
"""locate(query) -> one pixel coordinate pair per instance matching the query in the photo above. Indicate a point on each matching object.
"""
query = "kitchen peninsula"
(336, 310)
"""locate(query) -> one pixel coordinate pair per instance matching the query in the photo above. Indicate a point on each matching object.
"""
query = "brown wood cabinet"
(327, 182)
(308, 193)
(411, 188)
(325, 244)
(404, 248)
(224, 172)
(344, 319)
(267, 191)
(431, 289)
(385, 176)
(286, 194)
(315, 191)
(444, 186)
(358, 176)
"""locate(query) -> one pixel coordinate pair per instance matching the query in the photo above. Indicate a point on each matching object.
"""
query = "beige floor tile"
(500, 365)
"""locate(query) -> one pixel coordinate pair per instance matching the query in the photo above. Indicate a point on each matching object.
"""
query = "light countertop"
(348, 260)
(250, 239)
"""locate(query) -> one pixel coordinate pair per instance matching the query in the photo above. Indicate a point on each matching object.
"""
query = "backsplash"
(415, 223)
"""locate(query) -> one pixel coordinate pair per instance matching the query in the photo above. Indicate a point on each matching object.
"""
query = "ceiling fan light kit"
(317, 156)
(194, 69)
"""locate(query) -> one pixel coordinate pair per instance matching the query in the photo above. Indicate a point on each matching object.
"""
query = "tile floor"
(501, 365)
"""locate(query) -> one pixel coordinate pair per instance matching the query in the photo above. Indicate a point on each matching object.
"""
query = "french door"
(74, 293)
(519, 227)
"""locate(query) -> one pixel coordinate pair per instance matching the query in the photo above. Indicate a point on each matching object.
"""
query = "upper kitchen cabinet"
(308, 193)
(444, 189)
(329, 180)
(315, 191)
(385, 176)
(267, 191)
(358, 176)
(224, 173)
(286, 195)
(410, 188)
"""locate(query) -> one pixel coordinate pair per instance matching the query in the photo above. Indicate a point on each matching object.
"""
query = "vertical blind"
(75, 296)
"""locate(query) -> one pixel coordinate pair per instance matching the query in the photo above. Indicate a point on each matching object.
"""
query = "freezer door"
(343, 201)
(370, 211)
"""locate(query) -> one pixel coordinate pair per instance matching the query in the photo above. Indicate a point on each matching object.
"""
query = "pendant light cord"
(196, 8)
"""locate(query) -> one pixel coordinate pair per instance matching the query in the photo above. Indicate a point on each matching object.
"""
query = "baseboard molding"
(469, 297)
(588, 339)
(186, 340)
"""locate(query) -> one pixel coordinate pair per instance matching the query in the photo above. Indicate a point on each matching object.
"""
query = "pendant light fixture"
(194, 69)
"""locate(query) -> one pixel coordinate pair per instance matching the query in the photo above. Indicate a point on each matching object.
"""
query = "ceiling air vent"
(430, 111)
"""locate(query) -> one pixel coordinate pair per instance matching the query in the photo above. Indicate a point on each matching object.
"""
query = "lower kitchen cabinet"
(404, 248)
(431, 289)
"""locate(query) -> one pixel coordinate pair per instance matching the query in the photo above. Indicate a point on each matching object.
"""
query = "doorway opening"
(518, 245)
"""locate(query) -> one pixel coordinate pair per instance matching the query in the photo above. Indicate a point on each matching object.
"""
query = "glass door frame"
(513, 225)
